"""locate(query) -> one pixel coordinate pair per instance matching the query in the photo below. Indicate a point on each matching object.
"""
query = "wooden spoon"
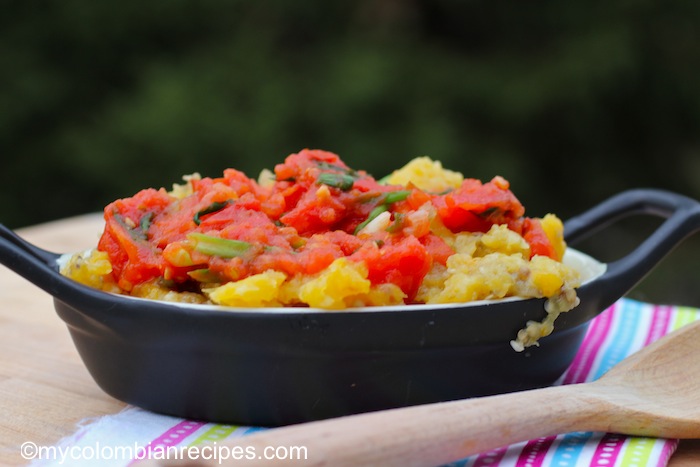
(655, 392)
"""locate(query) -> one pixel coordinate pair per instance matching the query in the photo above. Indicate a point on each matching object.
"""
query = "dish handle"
(35, 264)
(682, 216)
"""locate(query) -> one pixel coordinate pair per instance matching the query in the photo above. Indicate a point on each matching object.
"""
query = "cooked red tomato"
(125, 238)
(317, 210)
(400, 260)
(475, 207)
(535, 236)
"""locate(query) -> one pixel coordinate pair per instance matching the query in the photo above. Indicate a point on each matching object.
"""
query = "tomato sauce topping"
(317, 210)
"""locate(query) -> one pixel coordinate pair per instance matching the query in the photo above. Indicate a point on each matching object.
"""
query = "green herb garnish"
(372, 215)
(389, 198)
(343, 182)
(145, 223)
(398, 223)
(137, 232)
(395, 196)
(337, 168)
(217, 246)
(205, 275)
(212, 208)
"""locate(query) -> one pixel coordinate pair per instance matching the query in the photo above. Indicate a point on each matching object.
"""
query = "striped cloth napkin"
(619, 331)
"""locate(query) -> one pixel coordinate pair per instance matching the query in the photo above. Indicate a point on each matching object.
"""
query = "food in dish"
(317, 233)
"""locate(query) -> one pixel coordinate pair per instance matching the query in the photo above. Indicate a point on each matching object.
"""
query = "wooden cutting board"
(45, 391)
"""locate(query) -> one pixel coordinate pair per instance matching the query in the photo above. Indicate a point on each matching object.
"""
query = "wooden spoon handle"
(430, 434)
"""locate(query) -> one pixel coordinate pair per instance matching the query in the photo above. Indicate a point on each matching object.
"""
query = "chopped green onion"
(365, 198)
(204, 275)
(337, 168)
(343, 182)
(136, 232)
(398, 223)
(213, 207)
(372, 215)
(389, 198)
(216, 246)
(145, 223)
(328, 166)
(395, 196)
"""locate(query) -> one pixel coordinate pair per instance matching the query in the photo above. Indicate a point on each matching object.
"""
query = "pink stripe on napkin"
(534, 452)
(669, 448)
(581, 366)
(660, 320)
(172, 437)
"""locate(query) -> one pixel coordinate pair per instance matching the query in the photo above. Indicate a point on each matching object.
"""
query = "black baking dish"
(280, 366)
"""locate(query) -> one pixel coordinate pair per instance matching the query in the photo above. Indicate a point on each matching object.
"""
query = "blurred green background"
(570, 102)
